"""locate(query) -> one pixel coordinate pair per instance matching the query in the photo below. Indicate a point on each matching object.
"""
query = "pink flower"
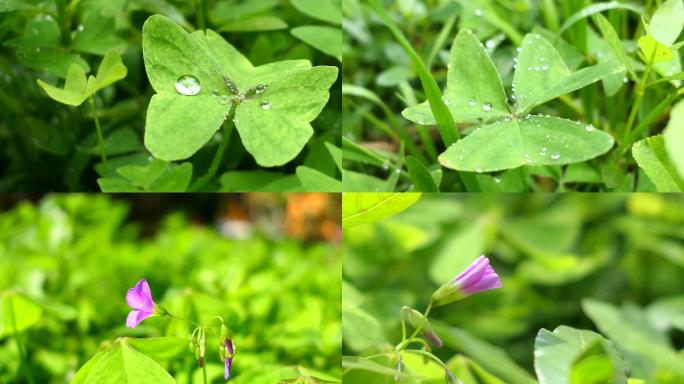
(478, 277)
(140, 299)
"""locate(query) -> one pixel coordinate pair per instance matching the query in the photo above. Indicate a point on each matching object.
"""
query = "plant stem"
(636, 106)
(100, 139)
(225, 138)
(404, 343)
(20, 348)
(204, 372)
(202, 14)
(65, 30)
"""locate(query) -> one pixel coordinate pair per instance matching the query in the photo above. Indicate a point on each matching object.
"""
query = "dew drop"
(478, 12)
(491, 44)
(265, 105)
(590, 128)
(545, 68)
(188, 85)
(80, 28)
(497, 180)
(487, 107)
(471, 103)
(259, 89)
(555, 156)
(478, 170)
(626, 80)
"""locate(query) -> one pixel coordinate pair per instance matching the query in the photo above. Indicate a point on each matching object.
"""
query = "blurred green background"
(268, 263)
(553, 253)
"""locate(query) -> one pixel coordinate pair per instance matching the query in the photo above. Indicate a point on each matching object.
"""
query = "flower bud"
(478, 277)
(421, 322)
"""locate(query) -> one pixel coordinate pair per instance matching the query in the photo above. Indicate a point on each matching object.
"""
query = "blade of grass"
(445, 122)
(597, 8)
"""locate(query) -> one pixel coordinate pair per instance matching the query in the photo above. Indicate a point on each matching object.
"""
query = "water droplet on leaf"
(555, 156)
(265, 105)
(188, 85)
(487, 107)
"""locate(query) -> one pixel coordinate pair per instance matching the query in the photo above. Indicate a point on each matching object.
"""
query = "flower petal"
(226, 372)
(140, 298)
(135, 317)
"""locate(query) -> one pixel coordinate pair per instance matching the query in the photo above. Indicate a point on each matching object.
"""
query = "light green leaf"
(592, 9)
(490, 357)
(116, 185)
(560, 356)
(326, 10)
(364, 208)
(674, 137)
(316, 181)
(542, 75)
(474, 88)
(667, 22)
(273, 123)
(175, 131)
(122, 364)
(360, 330)
(651, 156)
(534, 140)
(632, 336)
(654, 52)
(18, 313)
(275, 126)
(177, 179)
(161, 348)
(326, 39)
(255, 24)
(336, 154)
(74, 87)
(77, 88)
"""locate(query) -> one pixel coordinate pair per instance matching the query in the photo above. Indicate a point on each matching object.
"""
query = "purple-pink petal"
(135, 317)
(140, 297)
(478, 277)
(226, 371)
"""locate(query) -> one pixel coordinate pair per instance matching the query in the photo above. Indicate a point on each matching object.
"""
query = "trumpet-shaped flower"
(478, 277)
(139, 298)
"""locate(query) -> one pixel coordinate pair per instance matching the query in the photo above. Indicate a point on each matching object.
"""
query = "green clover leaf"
(201, 80)
(516, 138)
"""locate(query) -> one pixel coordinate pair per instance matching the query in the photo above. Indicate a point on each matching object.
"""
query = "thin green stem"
(20, 348)
(182, 319)
(218, 156)
(202, 14)
(428, 355)
(64, 21)
(100, 139)
(404, 343)
(204, 372)
(636, 105)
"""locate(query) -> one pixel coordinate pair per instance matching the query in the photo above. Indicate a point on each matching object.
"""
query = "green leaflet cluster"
(201, 80)
(475, 91)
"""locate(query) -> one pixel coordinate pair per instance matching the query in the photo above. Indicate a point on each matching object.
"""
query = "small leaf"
(654, 52)
(121, 364)
(364, 208)
(316, 181)
(18, 313)
(325, 39)
(614, 42)
(542, 75)
(97, 35)
(74, 87)
(160, 348)
(667, 22)
(474, 88)
(258, 181)
(651, 156)
(255, 24)
(531, 141)
(674, 137)
(110, 71)
(326, 10)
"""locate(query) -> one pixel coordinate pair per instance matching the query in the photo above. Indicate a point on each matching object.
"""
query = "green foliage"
(365, 208)
(136, 110)
(546, 61)
(67, 261)
(602, 271)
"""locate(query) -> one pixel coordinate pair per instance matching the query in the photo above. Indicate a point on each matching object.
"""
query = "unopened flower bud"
(421, 322)
(478, 277)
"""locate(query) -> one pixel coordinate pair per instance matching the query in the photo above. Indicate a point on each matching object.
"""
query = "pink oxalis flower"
(139, 298)
(478, 277)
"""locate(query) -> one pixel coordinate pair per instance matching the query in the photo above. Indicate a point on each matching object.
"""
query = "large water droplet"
(265, 105)
(188, 85)
(487, 107)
